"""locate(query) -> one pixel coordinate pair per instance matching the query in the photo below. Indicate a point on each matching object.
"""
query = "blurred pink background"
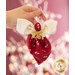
(56, 6)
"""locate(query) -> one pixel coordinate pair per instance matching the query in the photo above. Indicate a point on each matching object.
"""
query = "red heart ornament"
(39, 48)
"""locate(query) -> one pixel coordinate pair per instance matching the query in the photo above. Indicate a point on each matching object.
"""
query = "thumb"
(35, 13)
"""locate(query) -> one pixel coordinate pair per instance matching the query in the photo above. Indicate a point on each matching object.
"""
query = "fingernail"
(38, 11)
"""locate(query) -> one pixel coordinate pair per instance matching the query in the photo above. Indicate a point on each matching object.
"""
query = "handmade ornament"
(37, 42)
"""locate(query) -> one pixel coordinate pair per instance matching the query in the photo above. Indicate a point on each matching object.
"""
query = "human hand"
(25, 12)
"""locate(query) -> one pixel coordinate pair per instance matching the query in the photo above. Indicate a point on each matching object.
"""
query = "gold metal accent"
(59, 66)
(38, 34)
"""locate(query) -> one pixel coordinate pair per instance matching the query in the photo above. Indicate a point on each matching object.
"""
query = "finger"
(29, 8)
(43, 17)
(33, 20)
(35, 13)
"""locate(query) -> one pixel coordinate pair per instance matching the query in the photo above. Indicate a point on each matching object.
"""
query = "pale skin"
(24, 12)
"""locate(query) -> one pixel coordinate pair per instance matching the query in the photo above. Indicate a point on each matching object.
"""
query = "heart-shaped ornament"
(39, 48)
(38, 45)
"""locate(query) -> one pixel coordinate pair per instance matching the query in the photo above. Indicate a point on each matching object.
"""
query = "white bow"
(26, 27)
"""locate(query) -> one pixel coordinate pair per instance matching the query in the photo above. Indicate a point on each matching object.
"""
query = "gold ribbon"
(38, 34)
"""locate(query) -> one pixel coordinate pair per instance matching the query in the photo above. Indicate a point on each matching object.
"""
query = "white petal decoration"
(26, 27)
(23, 26)
(51, 26)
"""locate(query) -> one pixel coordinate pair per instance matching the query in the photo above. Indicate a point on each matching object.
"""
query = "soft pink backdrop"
(56, 6)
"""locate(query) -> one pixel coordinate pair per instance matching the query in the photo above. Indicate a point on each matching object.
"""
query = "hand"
(24, 12)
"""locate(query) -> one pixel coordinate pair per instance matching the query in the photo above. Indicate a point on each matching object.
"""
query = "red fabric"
(39, 48)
